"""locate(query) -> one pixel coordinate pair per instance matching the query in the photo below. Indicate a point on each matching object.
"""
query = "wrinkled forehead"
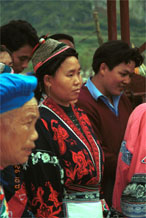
(29, 109)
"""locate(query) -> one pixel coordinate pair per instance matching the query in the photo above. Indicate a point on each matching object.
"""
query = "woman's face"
(5, 58)
(65, 85)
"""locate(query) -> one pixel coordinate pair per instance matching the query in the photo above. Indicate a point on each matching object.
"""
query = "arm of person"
(133, 201)
(44, 176)
(15, 192)
(129, 189)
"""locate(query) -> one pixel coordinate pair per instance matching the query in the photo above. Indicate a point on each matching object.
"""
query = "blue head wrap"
(15, 90)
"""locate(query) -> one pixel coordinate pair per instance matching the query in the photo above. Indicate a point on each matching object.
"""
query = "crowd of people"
(69, 149)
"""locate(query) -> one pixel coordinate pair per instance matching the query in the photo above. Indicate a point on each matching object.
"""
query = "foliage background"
(75, 17)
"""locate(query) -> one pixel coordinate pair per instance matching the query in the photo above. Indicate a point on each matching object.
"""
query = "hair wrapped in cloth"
(15, 90)
(45, 50)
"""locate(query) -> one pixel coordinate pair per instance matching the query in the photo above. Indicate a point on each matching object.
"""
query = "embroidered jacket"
(65, 160)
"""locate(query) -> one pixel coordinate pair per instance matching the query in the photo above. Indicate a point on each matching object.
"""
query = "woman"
(64, 171)
(130, 186)
(6, 62)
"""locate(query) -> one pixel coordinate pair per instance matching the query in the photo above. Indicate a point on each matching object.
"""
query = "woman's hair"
(50, 68)
(4, 49)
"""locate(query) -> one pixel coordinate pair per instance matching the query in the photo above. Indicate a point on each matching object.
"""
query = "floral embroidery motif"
(60, 135)
(44, 210)
(133, 201)
(53, 196)
(46, 158)
(83, 166)
(85, 119)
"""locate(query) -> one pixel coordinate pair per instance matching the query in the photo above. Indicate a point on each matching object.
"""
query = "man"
(19, 37)
(18, 115)
(65, 38)
(107, 107)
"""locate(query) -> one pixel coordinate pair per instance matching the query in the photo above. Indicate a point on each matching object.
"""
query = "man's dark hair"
(59, 36)
(114, 53)
(18, 33)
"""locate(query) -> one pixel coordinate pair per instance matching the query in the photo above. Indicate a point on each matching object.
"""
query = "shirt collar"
(96, 94)
(93, 90)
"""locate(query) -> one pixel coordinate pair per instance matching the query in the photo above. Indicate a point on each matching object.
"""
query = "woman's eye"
(70, 75)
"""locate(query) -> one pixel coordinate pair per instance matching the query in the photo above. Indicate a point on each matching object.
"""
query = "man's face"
(18, 134)
(21, 58)
(116, 80)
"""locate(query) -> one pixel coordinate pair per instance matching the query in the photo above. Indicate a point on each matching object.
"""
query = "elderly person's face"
(18, 133)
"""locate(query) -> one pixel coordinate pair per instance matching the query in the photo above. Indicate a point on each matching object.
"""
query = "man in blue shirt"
(103, 99)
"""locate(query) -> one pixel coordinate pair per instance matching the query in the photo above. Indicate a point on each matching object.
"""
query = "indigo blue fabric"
(15, 90)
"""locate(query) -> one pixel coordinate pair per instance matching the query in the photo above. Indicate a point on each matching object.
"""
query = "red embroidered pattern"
(78, 156)
(47, 211)
(45, 124)
(60, 134)
(81, 164)
(83, 120)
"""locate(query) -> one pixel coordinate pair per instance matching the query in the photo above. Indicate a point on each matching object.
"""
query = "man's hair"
(115, 52)
(18, 33)
(59, 36)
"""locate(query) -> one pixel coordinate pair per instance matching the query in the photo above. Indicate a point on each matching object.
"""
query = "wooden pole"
(112, 21)
(124, 19)
(142, 47)
(97, 25)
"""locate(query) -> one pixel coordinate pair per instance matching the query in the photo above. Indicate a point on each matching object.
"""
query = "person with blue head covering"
(18, 115)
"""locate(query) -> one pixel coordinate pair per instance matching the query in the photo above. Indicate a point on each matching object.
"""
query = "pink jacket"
(131, 161)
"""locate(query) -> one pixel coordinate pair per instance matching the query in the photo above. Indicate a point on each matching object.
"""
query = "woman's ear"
(47, 80)
(47, 84)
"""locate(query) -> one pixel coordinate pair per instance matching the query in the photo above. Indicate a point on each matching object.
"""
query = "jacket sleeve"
(44, 176)
(14, 189)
